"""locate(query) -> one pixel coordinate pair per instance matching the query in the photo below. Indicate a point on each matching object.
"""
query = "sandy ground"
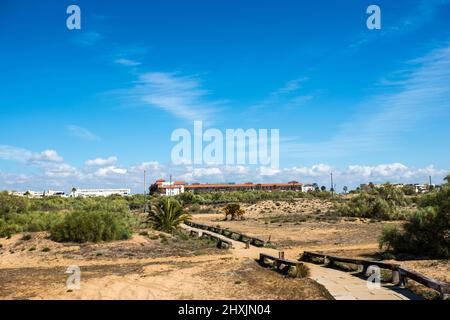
(141, 268)
(308, 225)
(159, 266)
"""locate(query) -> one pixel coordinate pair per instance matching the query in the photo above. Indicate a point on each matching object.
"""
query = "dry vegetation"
(312, 225)
(150, 264)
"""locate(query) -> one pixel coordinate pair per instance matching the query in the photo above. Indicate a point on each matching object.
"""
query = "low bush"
(381, 203)
(427, 231)
(92, 226)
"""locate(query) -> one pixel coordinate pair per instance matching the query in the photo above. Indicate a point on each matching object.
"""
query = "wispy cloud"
(180, 95)
(88, 38)
(127, 62)
(80, 132)
(14, 153)
(421, 92)
(422, 14)
(288, 96)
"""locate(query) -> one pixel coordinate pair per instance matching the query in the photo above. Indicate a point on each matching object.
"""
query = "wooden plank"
(364, 262)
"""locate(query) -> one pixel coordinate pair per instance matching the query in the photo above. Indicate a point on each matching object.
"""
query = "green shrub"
(8, 229)
(92, 226)
(427, 231)
(381, 203)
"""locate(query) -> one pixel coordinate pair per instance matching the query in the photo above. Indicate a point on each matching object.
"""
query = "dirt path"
(341, 285)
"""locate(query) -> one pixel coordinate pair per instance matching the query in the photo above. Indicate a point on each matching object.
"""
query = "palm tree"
(345, 189)
(167, 214)
(447, 178)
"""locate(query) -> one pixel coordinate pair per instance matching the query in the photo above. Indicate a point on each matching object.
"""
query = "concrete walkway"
(341, 285)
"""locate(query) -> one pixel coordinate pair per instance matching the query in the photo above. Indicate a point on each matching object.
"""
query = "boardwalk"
(341, 285)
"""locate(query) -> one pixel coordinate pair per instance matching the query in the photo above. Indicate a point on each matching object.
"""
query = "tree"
(447, 178)
(345, 188)
(167, 214)
(234, 210)
(315, 186)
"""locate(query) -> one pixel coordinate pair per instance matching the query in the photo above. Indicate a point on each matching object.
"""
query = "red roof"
(195, 186)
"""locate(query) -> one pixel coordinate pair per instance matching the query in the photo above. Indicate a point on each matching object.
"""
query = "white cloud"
(285, 97)
(62, 170)
(46, 156)
(421, 93)
(101, 162)
(316, 170)
(181, 96)
(55, 173)
(14, 153)
(127, 62)
(26, 156)
(267, 171)
(88, 38)
(290, 86)
(151, 165)
(422, 14)
(80, 132)
(103, 172)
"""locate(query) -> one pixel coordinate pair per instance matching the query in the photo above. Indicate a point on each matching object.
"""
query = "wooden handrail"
(228, 233)
(442, 287)
(364, 262)
(404, 274)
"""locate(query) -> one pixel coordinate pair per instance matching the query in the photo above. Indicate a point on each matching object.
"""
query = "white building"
(53, 193)
(173, 188)
(308, 188)
(99, 192)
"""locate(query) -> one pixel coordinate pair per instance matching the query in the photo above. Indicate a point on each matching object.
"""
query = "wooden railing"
(221, 243)
(228, 233)
(360, 262)
(281, 264)
(442, 287)
(400, 275)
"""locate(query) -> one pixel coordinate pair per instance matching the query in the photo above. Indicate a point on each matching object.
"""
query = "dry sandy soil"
(308, 225)
(159, 266)
(140, 268)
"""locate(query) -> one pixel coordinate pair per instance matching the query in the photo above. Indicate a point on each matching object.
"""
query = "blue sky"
(95, 107)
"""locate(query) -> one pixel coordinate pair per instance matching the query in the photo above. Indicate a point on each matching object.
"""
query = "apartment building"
(86, 193)
(177, 187)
